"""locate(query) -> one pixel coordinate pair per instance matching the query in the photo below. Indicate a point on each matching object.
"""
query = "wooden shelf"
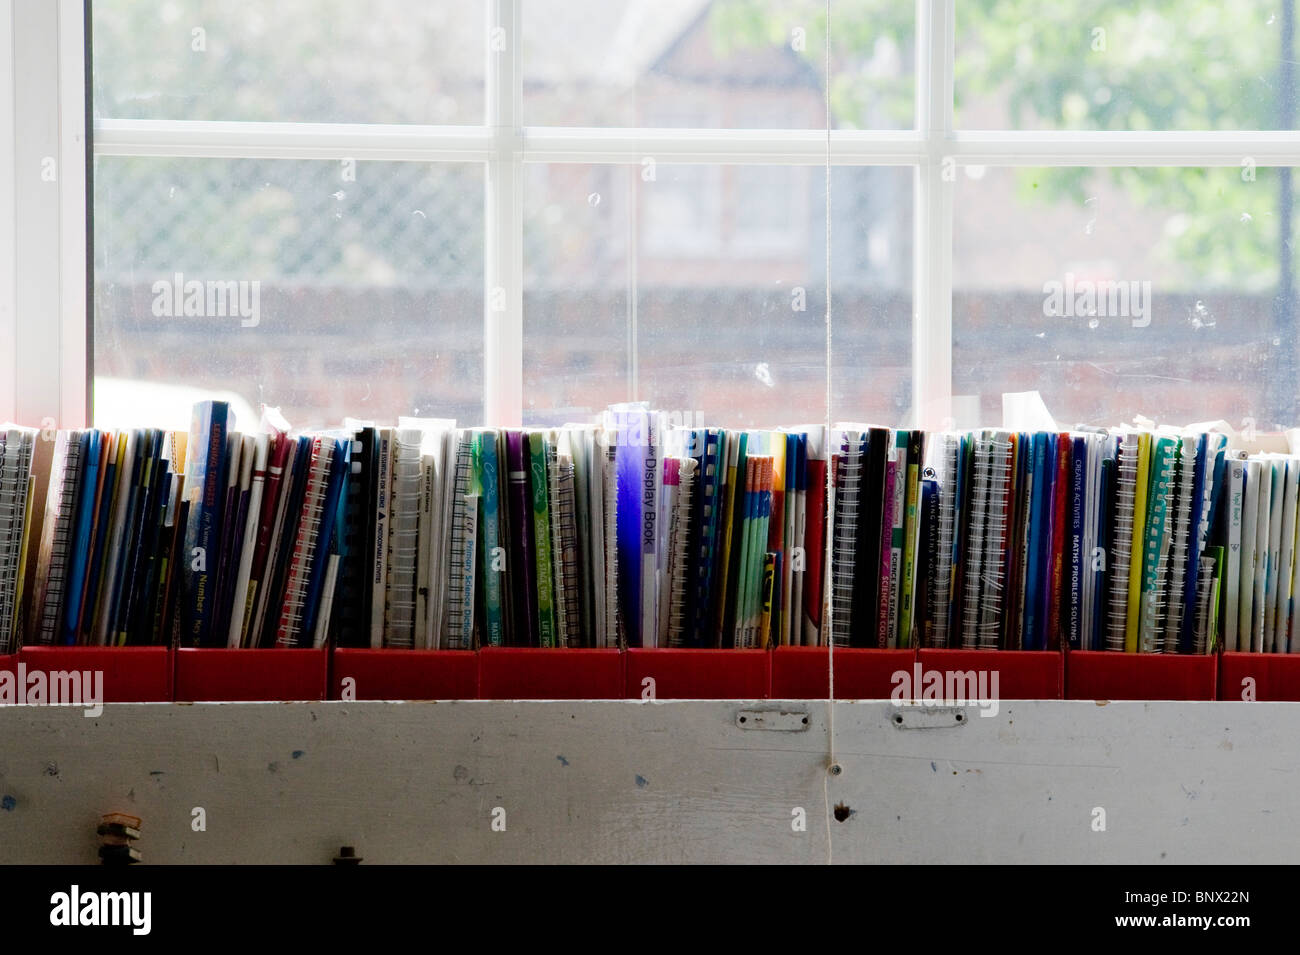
(683, 781)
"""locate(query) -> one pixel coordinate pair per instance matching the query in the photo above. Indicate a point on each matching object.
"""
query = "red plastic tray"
(803, 673)
(527, 673)
(130, 674)
(1021, 674)
(404, 674)
(698, 674)
(272, 674)
(1107, 675)
(1276, 676)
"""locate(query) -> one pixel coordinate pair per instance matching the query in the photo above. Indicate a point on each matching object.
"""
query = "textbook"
(207, 452)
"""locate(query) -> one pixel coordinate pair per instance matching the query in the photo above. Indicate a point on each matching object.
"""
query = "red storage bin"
(272, 674)
(131, 674)
(404, 674)
(803, 673)
(698, 674)
(1108, 675)
(1276, 676)
(1021, 674)
(528, 673)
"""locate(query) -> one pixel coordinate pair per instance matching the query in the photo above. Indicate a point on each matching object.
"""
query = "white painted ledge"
(654, 782)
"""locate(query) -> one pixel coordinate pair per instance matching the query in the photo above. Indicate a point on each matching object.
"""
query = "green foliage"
(1076, 65)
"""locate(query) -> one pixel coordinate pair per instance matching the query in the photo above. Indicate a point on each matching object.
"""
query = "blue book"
(327, 542)
(1034, 563)
(707, 506)
(80, 546)
(204, 456)
(631, 422)
(1078, 483)
(1051, 465)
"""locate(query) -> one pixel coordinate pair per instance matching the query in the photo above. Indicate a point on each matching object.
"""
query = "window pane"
(324, 288)
(730, 64)
(1159, 64)
(1163, 292)
(703, 291)
(658, 290)
(381, 61)
(871, 277)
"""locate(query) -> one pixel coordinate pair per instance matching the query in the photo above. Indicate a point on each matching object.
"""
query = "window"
(521, 210)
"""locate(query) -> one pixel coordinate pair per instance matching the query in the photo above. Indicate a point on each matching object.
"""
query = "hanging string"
(831, 765)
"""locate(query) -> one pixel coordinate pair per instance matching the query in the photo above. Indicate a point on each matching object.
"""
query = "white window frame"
(43, 280)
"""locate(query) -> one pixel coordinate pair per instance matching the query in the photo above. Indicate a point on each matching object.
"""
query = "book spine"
(1060, 531)
(911, 534)
(493, 559)
(61, 502)
(1078, 465)
(677, 579)
(815, 552)
(1232, 574)
(207, 450)
(650, 483)
(379, 570)
(459, 633)
(523, 558)
(541, 514)
(886, 607)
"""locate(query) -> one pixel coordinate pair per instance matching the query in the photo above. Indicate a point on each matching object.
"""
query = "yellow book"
(22, 562)
(1139, 544)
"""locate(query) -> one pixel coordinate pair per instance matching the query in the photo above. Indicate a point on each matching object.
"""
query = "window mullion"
(932, 224)
(503, 330)
(49, 212)
(8, 235)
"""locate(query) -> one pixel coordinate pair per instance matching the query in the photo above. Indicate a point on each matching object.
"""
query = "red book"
(281, 446)
(814, 550)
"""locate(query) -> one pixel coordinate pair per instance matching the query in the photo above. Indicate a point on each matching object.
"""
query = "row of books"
(629, 531)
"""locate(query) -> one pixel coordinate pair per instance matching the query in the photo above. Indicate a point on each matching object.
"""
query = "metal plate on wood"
(783, 721)
(922, 717)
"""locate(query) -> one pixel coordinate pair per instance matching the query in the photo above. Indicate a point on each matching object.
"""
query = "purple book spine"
(523, 585)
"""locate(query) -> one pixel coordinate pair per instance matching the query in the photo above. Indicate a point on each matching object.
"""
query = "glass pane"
(701, 290)
(871, 277)
(729, 64)
(1159, 64)
(326, 288)
(382, 61)
(1163, 292)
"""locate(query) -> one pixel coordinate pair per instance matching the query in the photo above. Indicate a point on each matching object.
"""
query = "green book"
(1211, 622)
(732, 568)
(542, 540)
(1155, 569)
(492, 553)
